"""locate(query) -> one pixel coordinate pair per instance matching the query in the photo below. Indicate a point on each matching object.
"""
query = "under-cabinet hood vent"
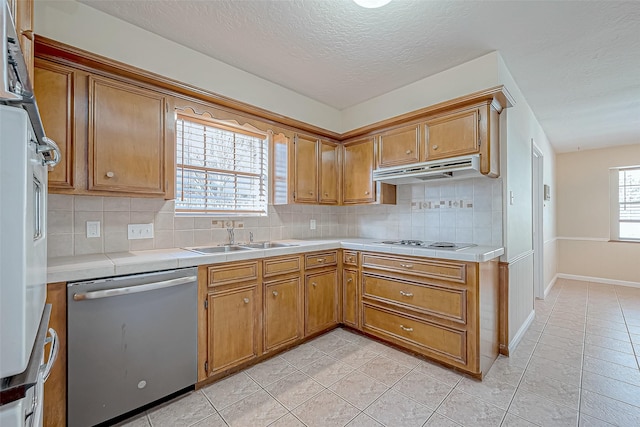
(455, 167)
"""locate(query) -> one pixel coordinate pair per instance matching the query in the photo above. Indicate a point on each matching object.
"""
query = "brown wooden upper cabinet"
(54, 89)
(399, 146)
(316, 176)
(126, 138)
(357, 169)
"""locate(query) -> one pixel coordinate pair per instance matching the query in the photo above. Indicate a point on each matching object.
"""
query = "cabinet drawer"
(350, 258)
(224, 274)
(443, 270)
(320, 259)
(274, 267)
(446, 342)
(449, 303)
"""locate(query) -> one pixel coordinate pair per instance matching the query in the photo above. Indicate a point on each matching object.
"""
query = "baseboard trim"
(550, 285)
(598, 280)
(523, 329)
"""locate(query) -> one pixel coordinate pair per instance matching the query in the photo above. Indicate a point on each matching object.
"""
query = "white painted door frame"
(537, 170)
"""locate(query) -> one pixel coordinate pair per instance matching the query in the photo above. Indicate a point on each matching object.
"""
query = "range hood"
(451, 168)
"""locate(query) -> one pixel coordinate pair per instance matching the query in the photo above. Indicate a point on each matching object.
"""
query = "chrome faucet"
(232, 237)
(251, 237)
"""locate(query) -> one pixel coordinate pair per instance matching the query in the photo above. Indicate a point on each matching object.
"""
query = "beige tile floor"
(576, 365)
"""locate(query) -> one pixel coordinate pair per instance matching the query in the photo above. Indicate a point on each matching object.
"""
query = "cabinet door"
(350, 298)
(231, 328)
(357, 172)
(282, 311)
(399, 146)
(53, 86)
(329, 173)
(321, 302)
(306, 170)
(452, 135)
(126, 138)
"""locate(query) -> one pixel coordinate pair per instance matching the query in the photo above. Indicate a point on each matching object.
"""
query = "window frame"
(614, 196)
(229, 126)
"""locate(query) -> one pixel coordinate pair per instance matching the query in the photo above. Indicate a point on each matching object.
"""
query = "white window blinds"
(221, 169)
(629, 202)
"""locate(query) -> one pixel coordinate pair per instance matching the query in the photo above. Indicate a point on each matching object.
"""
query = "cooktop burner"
(449, 246)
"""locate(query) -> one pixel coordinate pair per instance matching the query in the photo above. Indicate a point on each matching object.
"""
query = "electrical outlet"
(312, 224)
(93, 229)
(140, 231)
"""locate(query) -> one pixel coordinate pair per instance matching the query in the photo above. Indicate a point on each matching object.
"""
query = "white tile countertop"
(84, 267)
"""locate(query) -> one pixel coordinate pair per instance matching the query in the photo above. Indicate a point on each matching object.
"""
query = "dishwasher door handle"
(133, 289)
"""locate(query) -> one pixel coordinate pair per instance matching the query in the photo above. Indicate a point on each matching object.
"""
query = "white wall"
(520, 131)
(81, 26)
(583, 217)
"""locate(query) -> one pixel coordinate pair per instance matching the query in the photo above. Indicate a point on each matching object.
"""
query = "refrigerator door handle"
(133, 289)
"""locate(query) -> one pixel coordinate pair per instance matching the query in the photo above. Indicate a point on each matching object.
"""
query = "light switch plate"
(312, 224)
(93, 229)
(140, 231)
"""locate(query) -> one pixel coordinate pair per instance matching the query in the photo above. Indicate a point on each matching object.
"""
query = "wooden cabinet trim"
(425, 298)
(278, 266)
(218, 275)
(320, 259)
(443, 270)
(449, 344)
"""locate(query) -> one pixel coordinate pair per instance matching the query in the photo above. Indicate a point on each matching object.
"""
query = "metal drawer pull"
(435, 147)
(404, 328)
(408, 152)
(406, 294)
(275, 293)
(110, 174)
(246, 300)
(320, 260)
(406, 265)
(134, 289)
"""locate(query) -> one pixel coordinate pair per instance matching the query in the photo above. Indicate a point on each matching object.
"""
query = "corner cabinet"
(127, 138)
(358, 163)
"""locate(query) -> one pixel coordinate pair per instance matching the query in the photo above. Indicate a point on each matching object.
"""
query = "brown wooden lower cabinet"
(321, 301)
(232, 327)
(55, 389)
(282, 303)
(350, 298)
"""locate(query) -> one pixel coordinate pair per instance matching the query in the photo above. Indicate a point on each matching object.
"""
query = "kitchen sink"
(218, 249)
(267, 245)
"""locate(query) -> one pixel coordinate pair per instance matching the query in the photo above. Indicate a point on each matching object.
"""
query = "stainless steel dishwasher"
(131, 340)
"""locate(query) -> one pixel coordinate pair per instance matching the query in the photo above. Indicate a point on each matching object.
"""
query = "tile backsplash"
(462, 211)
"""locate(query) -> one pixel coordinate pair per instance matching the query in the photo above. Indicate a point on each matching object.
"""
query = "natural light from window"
(221, 169)
(626, 209)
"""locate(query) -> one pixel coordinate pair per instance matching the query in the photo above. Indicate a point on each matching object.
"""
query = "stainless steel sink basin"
(267, 245)
(219, 249)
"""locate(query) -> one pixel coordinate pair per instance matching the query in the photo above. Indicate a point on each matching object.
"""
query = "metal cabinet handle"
(435, 147)
(311, 193)
(349, 280)
(134, 289)
(404, 328)
(275, 293)
(366, 193)
(246, 300)
(110, 174)
(326, 194)
(320, 260)
(408, 152)
(406, 265)
(406, 294)
(314, 284)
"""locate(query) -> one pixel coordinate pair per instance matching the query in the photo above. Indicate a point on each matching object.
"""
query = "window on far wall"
(625, 203)
(221, 169)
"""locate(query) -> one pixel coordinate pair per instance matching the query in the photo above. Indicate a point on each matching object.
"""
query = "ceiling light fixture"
(371, 4)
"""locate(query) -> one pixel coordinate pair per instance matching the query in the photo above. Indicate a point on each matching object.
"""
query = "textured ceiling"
(577, 62)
